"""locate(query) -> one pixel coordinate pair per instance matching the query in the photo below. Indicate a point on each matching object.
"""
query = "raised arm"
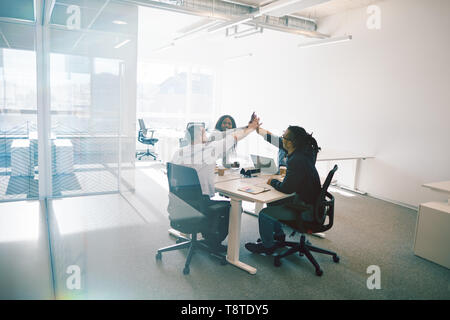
(270, 137)
(243, 132)
(231, 137)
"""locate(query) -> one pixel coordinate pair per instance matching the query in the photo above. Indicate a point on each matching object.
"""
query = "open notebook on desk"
(253, 189)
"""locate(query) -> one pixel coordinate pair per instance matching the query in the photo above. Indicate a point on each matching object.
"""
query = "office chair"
(186, 205)
(142, 138)
(323, 207)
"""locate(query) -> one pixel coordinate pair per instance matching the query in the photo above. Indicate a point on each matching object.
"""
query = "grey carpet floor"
(119, 261)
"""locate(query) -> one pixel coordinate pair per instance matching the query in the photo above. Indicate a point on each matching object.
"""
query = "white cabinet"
(432, 240)
(62, 156)
(21, 158)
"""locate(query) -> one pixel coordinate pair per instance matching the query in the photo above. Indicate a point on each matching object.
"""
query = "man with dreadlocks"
(301, 178)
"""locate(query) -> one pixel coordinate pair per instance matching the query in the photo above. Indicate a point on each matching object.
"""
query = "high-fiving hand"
(254, 123)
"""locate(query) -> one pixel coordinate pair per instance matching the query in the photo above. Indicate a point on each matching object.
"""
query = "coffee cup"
(221, 171)
(282, 171)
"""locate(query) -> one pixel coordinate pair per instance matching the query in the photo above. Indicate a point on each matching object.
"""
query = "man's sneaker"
(259, 248)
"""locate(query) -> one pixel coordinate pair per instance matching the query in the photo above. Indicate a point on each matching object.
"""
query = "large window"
(85, 108)
(170, 95)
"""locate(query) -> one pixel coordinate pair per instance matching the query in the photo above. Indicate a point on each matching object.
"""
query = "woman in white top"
(224, 126)
(201, 155)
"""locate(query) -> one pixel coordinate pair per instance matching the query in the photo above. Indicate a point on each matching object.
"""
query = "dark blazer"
(301, 177)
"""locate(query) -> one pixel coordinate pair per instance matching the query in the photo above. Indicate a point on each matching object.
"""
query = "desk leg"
(258, 207)
(234, 236)
(354, 188)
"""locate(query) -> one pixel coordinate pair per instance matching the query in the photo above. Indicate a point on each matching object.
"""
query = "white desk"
(230, 189)
(443, 186)
(330, 155)
(230, 174)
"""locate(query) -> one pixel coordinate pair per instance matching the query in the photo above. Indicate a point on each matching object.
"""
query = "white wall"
(386, 92)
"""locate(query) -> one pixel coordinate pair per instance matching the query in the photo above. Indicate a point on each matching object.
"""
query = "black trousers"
(218, 214)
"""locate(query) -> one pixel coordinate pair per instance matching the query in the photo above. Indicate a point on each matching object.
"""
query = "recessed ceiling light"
(119, 22)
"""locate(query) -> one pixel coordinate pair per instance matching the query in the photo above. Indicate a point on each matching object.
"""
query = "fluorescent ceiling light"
(260, 30)
(119, 22)
(239, 57)
(323, 42)
(196, 30)
(117, 46)
(166, 46)
(229, 24)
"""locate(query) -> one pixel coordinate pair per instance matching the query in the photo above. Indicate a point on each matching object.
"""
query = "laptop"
(267, 165)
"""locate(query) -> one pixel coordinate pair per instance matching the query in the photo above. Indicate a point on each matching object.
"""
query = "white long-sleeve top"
(202, 157)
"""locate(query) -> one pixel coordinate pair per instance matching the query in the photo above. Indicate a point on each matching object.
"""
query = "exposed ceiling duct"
(233, 13)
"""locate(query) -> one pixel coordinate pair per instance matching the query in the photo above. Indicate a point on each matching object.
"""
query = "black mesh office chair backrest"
(184, 184)
(325, 204)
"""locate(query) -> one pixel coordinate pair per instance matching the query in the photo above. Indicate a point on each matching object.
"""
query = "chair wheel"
(336, 259)
(223, 262)
(179, 241)
(158, 256)
(277, 262)
(186, 270)
(259, 240)
(319, 272)
(300, 254)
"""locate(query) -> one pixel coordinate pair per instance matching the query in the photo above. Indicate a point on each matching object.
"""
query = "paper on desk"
(253, 189)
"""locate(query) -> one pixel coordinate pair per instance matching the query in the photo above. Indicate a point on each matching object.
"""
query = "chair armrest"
(144, 133)
(152, 131)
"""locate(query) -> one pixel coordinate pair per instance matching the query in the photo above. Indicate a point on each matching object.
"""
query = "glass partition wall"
(67, 129)
(91, 67)
(69, 104)
(92, 80)
(81, 82)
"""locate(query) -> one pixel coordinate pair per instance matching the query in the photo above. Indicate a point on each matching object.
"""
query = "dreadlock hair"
(302, 140)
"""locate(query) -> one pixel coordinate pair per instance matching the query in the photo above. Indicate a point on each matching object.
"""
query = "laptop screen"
(267, 165)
